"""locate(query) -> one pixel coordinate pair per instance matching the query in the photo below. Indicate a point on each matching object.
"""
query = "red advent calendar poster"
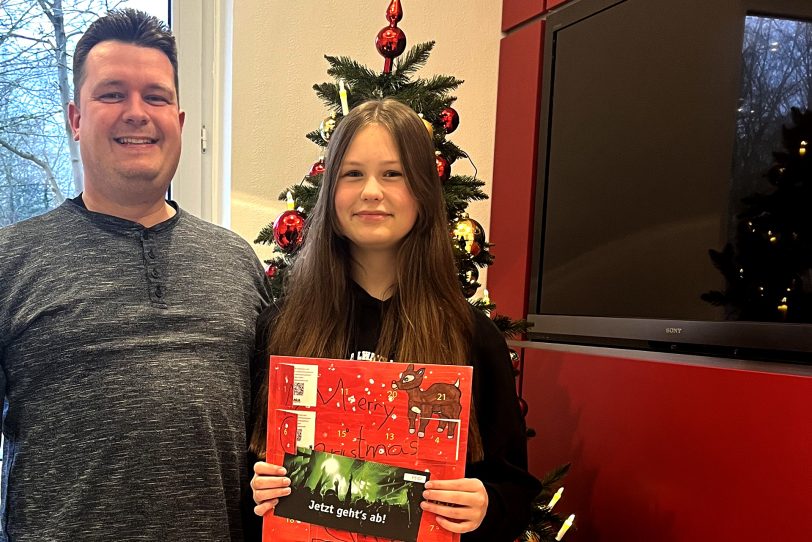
(359, 439)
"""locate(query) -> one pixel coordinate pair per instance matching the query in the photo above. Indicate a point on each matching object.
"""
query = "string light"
(555, 498)
(342, 93)
(565, 527)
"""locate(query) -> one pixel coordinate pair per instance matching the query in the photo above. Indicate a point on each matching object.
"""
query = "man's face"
(128, 121)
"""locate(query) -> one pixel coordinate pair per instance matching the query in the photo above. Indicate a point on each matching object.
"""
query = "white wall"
(279, 47)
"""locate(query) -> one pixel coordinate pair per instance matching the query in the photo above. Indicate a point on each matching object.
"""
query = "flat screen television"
(663, 218)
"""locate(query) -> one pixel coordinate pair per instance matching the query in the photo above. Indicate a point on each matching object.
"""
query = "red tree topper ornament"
(391, 41)
(443, 166)
(394, 13)
(450, 119)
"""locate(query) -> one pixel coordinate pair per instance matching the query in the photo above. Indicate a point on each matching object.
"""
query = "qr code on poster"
(298, 435)
(298, 389)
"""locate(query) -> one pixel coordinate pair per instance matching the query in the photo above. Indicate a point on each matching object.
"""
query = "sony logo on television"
(673, 330)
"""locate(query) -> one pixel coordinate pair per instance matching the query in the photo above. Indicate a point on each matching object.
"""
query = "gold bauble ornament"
(327, 126)
(429, 126)
(468, 235)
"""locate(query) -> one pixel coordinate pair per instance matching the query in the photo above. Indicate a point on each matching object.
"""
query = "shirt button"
(151, 254)
(155, 273)
(159, 293)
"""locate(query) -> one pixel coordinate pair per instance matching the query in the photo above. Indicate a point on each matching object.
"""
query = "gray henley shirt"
(125, 370)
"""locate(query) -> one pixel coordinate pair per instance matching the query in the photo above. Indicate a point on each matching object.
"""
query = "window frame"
(202, 183)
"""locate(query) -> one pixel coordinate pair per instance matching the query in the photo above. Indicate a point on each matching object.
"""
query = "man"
(126, 326)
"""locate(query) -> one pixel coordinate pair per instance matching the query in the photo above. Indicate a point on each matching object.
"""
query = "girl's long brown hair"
(427, 319)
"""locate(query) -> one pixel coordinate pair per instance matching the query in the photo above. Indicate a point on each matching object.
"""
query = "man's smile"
(135, 140)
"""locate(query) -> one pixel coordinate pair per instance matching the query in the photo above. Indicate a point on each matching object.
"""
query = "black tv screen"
(664, 218)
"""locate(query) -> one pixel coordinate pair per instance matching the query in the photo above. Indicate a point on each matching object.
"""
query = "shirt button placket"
(153, 275)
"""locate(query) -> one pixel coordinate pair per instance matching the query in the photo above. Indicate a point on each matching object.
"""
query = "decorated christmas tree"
(432, 98)
(768, 266)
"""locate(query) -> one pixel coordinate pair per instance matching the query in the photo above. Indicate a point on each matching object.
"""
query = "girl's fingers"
(270, 494)
(264, 508)
(268, 482)
(455, 526)
(460, 513)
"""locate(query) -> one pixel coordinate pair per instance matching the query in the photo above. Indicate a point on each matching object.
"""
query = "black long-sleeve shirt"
(503, 471)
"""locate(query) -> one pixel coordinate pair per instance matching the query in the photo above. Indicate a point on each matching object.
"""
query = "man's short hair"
(127, 26)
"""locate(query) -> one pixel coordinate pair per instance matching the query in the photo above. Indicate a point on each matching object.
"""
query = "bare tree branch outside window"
(776, 76)
(39, 161)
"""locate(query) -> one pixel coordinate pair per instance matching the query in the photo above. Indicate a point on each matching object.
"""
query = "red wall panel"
(514, 168)
(672, 452)
(515, 12)
(660, 451)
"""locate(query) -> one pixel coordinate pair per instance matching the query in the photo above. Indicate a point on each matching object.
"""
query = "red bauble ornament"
(450, 119)
(317, 168)
(390, 43)
(523, 408)
(443, 166)
(271, 271)
(288, 230)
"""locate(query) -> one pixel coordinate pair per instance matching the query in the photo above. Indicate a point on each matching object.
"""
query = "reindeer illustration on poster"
(440, 398)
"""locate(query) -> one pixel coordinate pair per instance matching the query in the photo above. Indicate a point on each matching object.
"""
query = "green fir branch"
(280, 262)
(551, 478)
(459, 191)
(466, 185)
(510, 328)
(276, 283)
(304, 195)
(484, 258)
(543, 527)
(451, 151)
(480, 304)
(428, 104)
(316, 138)
(414, 59)
(265, 235)
(343, 67)
(434, 90)
(328, 93)
(442, 85)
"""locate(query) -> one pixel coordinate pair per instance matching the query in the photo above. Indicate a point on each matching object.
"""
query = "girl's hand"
(268, 485)
(462, 503)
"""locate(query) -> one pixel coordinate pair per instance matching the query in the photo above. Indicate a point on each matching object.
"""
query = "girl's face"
(373, 202)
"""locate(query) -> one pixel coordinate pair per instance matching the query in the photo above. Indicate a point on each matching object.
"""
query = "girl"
(376, 279)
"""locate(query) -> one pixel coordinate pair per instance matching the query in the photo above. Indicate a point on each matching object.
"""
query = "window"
(202, 183)
(39, 163)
